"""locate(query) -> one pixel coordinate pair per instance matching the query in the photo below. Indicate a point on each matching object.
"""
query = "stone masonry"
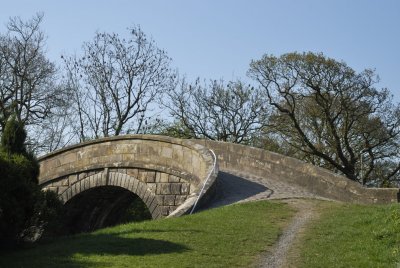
(163, 172)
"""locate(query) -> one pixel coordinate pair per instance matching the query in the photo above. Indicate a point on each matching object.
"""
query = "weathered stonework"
(321, 182)
(162, 171)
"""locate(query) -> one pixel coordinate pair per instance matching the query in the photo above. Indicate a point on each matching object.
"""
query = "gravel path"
(278, 257)
(235, 187)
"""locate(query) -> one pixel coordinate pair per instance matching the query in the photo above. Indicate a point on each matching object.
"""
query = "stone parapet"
(319, 181)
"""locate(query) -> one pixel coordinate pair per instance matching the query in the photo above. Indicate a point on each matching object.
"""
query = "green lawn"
(352, 236)
(232, 236)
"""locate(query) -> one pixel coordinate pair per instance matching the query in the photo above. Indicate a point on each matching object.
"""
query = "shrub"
(24, 208)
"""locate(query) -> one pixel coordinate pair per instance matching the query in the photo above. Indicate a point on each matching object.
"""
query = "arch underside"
(161, 192)
(100, 207)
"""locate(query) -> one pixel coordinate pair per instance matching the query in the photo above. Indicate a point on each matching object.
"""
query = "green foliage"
(331, 115)
(18, 195)
(24, 208)
(231, 236)
(13, 137)
(48, 211)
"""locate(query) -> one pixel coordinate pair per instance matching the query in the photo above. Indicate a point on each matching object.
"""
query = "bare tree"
(115, 83)
(27, 77)
(231, 112)
(332, 115)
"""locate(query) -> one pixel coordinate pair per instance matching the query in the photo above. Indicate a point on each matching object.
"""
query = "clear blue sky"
(217, 38)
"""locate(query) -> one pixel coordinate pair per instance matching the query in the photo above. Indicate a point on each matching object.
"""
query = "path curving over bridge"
(248, 173)
(166, 174)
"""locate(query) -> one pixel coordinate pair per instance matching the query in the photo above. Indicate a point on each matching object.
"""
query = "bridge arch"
(117, 179)
(168, 174)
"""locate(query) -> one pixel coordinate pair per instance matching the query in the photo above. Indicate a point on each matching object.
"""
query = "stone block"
(158, 176)
(169, 200)
(180, 199)
(124, 181)
(164, 177)
(72, 179)
(175, 188)
(111, 178)
(134, 186)
(185, 188)
(151, 176)
(73, 190)
(164, 210)
(104, 178)
(87, 184)
(142, 175)
(133, 172)
(122, 170)
(118, 181)
(173, 178)
(147, 197)
(152, 187)
(140, 190)
(163, 188)
(65, 182)
(92, 181)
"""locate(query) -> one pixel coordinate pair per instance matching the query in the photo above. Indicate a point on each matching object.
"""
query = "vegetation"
(115, 81)
(351, 236)
(24, 208)
(333, 116)
(232, 112)
(231, 236)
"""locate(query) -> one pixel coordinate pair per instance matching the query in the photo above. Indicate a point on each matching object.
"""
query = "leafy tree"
(115, 82)
(24, 208)
(218, 111)
(333, 116)
(13, 137)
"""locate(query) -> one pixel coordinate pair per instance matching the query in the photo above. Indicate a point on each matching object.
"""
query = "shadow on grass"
(115, 245)
(62, 253)
(138, 231)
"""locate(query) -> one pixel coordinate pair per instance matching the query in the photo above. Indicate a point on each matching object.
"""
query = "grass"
(352, 236)
(232, 236)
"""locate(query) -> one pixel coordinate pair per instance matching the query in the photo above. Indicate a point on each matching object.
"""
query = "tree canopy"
(334, 116)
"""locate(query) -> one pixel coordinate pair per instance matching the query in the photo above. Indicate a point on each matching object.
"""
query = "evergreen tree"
(24, 208)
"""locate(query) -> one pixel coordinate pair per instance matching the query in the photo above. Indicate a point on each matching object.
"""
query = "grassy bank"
(351, 236)
(232, 236)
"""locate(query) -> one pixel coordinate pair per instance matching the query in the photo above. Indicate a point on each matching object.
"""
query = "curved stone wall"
(166, 173)
(319, 181)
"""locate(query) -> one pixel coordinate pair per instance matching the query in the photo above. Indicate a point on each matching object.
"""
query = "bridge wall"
(265, 164)
(166, 173)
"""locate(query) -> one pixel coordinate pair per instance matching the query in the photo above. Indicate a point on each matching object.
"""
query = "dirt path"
(279, 257)
(237, 187)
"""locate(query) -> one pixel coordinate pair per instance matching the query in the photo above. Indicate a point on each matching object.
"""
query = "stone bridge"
(98, 177)
(101, 177)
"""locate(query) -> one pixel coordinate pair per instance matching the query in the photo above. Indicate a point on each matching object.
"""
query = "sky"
(215, 39)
